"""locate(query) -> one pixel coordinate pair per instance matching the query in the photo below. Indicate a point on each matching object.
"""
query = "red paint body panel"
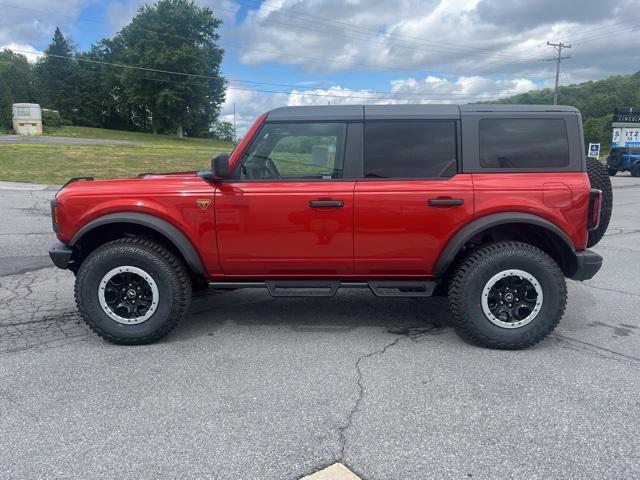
(526, 192)
(384, 229)
(269, 229)
(170, 197)
(397, 233)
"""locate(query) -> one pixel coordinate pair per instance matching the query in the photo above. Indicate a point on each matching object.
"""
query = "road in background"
(258, 388)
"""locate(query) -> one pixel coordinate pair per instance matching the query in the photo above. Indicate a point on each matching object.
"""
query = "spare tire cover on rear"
(599, 178)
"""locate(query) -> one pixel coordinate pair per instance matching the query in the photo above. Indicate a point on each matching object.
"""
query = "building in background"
(27, 119)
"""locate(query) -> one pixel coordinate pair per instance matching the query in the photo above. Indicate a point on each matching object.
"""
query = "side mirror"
(220, 166)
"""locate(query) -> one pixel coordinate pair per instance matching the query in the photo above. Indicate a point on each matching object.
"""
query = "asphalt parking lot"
(251, 387)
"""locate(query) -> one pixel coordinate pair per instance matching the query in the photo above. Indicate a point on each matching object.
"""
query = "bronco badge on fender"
(203, 203)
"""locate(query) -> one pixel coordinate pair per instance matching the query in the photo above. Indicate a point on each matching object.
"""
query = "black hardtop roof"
(398, 112)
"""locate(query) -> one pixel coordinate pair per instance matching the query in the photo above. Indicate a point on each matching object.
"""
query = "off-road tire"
(612, 171)
(635, 170)
(165, 268)
(599, 178)
(475, 271)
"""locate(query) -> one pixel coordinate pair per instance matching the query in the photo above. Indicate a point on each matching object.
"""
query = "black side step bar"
(402, 288)
(328, 288)
(297, 288)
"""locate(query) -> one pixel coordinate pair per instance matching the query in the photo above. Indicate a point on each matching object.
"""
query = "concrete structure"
(27, 119)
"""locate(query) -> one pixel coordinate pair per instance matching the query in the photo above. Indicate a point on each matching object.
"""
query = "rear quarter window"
(523, 143)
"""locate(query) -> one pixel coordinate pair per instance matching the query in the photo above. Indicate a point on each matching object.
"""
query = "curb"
(28, 187)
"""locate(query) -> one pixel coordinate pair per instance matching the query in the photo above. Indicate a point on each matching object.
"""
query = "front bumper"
(60, 255)
(588, 265)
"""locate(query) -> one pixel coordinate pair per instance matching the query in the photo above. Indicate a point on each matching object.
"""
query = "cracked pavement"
(258, 388)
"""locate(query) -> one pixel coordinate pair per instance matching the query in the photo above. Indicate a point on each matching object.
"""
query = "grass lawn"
(55, 164)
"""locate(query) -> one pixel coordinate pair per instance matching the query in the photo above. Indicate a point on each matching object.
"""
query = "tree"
(178, 36)
(16, 84)
(222, 130)
(57, 77)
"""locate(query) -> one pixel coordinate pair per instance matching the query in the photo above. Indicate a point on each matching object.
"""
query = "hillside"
(595, 100)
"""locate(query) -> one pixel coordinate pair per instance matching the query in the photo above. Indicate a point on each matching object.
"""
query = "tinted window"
(398, 149)
(303, 151)
(523, 143)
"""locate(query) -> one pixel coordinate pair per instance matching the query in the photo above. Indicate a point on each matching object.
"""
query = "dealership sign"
(626, 115)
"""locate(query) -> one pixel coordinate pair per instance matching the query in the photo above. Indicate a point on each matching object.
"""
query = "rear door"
(289, 209)
(411, 199)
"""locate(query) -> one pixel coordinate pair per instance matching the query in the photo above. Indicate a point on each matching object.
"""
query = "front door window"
(303, 152)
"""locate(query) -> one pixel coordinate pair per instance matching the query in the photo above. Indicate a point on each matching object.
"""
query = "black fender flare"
(477, 226)
(175, 236)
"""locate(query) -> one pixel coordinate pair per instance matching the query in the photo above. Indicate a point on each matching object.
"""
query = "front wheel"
(507, 295)
(132, 291)
(635, 170)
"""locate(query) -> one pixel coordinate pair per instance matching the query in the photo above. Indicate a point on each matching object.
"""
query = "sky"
(304, 52)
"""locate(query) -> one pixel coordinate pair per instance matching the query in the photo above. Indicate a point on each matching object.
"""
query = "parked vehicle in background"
(490, 205)
(625, 142)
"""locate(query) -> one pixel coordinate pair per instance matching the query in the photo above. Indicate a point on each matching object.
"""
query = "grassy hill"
(595, 100)
(54, 164)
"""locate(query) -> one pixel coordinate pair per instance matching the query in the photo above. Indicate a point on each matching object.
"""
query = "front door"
(411, 200)
(288, 210)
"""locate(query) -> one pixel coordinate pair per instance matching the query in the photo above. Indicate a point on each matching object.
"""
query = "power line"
(247, 48)
(288, 12)
(439, 49)
(586, 33)
(391, 95)
(558, 59)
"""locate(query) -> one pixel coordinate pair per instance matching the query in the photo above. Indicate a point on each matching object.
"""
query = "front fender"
(175, 236)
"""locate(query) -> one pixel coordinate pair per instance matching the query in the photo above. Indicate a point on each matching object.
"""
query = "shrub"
(51, 118)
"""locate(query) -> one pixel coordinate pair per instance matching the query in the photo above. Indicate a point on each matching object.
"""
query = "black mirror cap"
(220, 166)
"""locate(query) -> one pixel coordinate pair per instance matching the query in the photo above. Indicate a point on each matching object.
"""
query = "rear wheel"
(599, 178)
(612, 171)
(132, 291)
(507, 295)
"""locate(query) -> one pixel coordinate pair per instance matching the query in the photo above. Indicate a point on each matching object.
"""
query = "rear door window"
(523, 143)
(410, 149)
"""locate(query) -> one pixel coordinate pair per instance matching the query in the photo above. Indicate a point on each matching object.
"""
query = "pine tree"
(16, 84)
(57, 77)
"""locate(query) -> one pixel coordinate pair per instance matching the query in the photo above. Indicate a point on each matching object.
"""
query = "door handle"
(326, 204)
(445, 202)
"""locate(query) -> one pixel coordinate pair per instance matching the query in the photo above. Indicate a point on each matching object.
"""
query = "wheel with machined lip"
(512, 298)
(507, 295)
(128, 294)
(132, 291)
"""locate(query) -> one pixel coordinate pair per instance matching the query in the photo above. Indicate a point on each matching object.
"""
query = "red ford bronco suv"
(490, 205)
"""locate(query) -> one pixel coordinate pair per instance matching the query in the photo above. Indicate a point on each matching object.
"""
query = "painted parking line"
(337, 471)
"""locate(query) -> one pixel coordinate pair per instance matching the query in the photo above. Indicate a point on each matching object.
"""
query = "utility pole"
(559, 46)
(234, 125)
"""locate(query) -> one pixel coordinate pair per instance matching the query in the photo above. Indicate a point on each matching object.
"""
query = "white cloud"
(27, 50)
(22, 25)
(460, 37)
(431, 89)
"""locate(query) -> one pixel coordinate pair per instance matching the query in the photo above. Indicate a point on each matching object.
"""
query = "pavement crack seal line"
(342, 431)
(597, 351)
(589, 285)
